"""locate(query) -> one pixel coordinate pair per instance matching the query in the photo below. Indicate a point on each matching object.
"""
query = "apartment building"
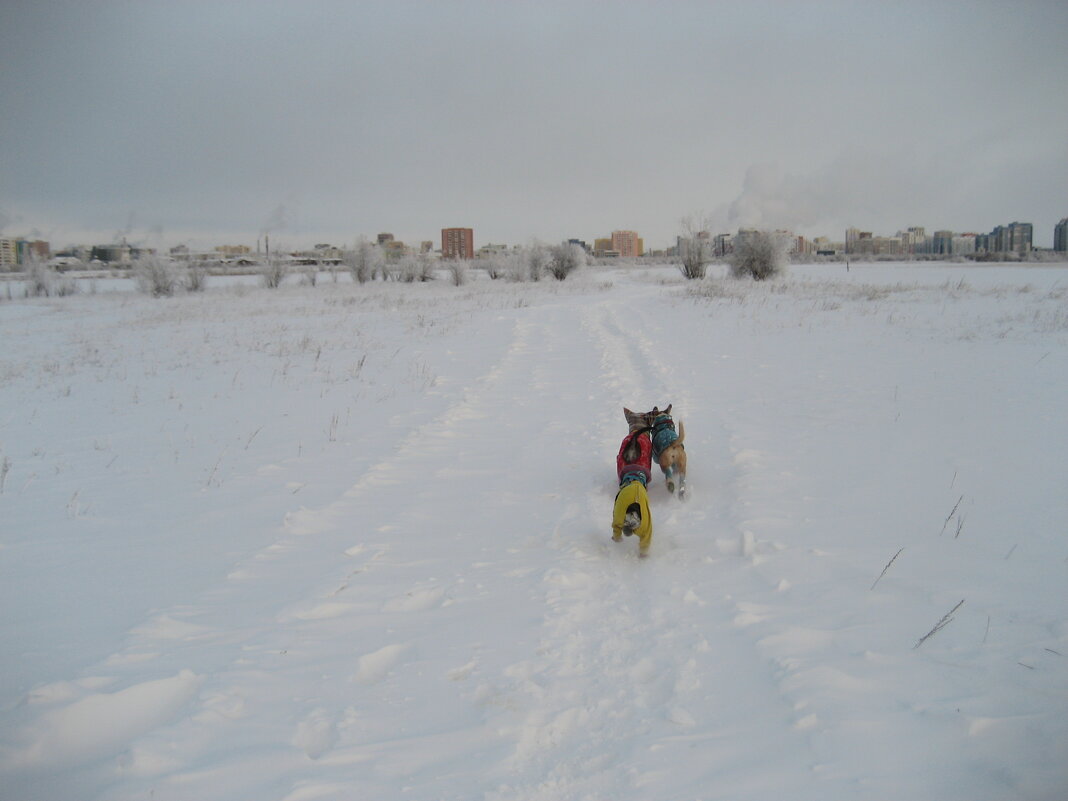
(457, 243)
(1012, 238)
(1060, 236)
(15, 252)
(627, 244)
(9, 254)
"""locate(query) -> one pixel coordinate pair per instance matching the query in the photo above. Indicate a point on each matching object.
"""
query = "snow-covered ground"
(352, 542)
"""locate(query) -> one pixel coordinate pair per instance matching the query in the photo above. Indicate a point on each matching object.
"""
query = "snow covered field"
(352, 542)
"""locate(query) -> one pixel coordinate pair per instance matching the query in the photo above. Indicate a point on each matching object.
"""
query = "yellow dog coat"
(633, 492)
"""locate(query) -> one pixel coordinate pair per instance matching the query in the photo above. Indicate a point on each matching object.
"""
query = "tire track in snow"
(316, 566)
(595, 684)
(633, 655)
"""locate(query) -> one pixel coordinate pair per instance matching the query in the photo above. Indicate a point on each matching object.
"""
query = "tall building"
(942, 243)
(603, 245)
(1012, 238)
(964, 244)
(627, 244)
(851, 237)
(1060, 236)
(857, 241)
(457, 243)
(9, 254)
(1020, 237)
(16, 252)
(914, 240)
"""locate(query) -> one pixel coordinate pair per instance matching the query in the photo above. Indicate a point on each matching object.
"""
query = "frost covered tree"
(195, 277)
(39, 279)
(364, 261)
(535, 259)
(565, 259)
(498, 265)
(457, 271)
(156, 276)
(274, 272)
(695, 248)
(515, 266)
(412, 269)
(758, 255)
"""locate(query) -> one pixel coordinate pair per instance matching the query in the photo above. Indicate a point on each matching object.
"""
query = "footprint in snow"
(316, 734)
(463, 672)
(415, 600)
(375, 666)
(321, 611)
(72, 734)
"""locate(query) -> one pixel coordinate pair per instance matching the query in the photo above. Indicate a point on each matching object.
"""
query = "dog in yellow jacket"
(634, 462)
(631, 516)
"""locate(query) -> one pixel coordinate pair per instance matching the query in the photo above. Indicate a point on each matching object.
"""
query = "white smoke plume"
(883, 192)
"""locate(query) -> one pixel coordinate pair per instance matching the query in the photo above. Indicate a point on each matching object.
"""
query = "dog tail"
(682, 433)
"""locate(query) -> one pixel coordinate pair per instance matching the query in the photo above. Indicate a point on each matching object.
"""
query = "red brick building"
(457, 243)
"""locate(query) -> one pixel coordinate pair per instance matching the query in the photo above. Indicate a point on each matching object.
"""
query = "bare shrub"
(364, 261)
(38, 280)
(564, 259)
(498, 265)
(695, 248)
(156, 276)
(426, 267)
(516, 268)
(195, 277)
(535, 259)
(412, 269)
(62, 287)
(695, 254)
(457, 271)
(273, 273)
(758, 255)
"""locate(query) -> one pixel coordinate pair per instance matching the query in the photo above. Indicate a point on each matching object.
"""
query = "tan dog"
(672, 461)
(668, 448)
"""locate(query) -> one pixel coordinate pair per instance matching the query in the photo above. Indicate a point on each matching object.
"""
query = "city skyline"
(1013, 239)
(205, 123)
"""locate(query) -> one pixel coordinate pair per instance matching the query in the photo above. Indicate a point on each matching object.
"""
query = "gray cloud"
(326, 120)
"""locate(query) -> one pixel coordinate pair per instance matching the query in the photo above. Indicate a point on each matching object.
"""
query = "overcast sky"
(321, 121)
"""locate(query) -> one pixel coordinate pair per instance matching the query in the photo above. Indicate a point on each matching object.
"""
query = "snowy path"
(607, 684)
(437, 610)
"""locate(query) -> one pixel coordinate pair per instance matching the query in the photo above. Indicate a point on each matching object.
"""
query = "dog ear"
(667, 410)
